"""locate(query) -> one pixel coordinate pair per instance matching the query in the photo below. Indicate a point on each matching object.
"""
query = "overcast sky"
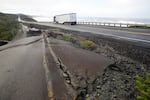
(83, 8)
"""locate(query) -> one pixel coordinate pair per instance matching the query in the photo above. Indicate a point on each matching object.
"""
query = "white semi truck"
(69, 18)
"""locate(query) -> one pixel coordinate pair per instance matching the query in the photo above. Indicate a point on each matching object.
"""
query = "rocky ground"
(117, 81)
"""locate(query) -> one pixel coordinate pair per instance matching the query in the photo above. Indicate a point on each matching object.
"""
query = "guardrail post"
(127, 25)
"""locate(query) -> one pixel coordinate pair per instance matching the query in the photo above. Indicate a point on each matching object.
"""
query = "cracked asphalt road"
(22, 74)
(79, 60)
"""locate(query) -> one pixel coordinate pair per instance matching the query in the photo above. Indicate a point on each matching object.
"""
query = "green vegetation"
(8, 26)
(87, 44)
(67, 37)
(139, 26)
(143, 86)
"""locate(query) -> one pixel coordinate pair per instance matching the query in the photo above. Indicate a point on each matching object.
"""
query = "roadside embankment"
(9, 26)
(117, 81)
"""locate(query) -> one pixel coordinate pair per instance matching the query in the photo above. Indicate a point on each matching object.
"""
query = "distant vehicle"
(69, 18)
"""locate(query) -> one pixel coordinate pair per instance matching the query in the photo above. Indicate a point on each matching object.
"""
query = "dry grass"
(87, 44)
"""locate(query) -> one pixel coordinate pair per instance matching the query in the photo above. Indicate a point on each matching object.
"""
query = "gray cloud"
(97, 8)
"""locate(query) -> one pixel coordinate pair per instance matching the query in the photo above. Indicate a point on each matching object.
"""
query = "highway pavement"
(22, 75)
(139, 36)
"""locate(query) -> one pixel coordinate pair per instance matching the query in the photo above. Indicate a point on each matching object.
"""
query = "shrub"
(67, 37)
(139, 26)
(143, 86)
(9, 26)
(87, 44)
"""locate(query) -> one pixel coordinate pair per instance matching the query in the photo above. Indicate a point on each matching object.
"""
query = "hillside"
(8, 26)
(26, 18)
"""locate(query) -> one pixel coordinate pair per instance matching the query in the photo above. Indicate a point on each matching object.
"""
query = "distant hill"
(9, 26)
(26, 18)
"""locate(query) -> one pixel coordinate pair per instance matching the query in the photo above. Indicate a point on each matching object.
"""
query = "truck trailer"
(69, 18)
